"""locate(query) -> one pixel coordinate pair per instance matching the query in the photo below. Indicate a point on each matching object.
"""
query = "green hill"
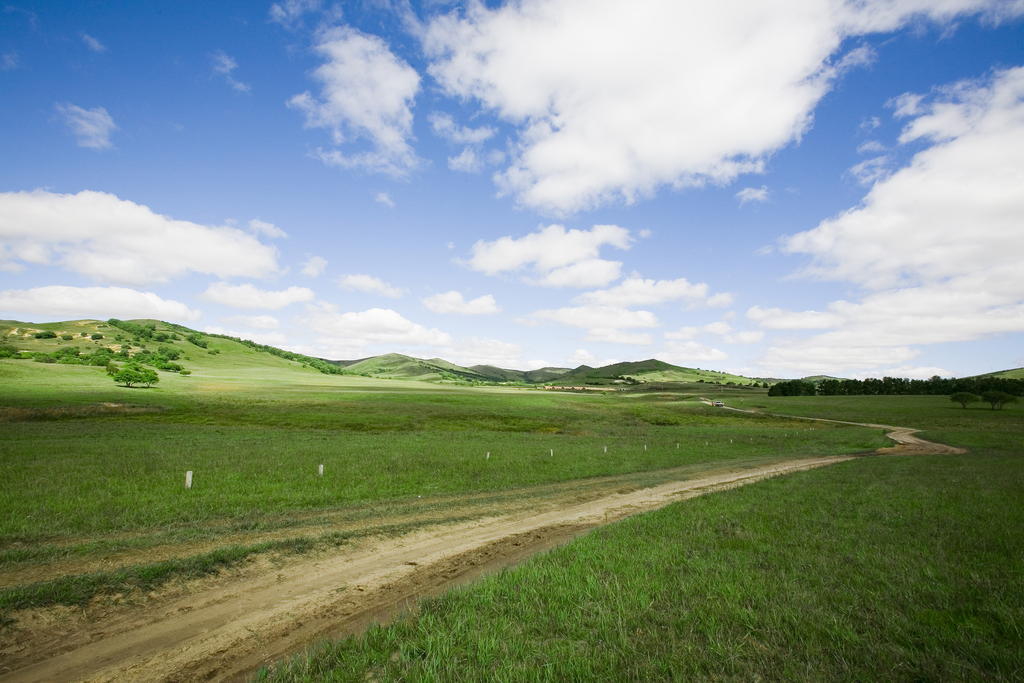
(398, 366)
(1016, 373)
(497, 374)
(77, 341)
(648, 371)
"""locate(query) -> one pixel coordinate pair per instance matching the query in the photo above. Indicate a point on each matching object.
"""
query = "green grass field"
(879, 569)
(82, 455)
(876, 569)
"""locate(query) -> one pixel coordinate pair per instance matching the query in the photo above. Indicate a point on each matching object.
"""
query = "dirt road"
(223, 628)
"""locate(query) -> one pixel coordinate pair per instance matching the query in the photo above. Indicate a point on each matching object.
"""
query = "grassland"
(879, 569)
(84, 456)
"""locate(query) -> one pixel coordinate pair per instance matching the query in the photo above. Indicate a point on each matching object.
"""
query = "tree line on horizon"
(898, 386)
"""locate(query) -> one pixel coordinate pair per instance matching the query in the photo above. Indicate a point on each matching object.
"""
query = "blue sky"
(770, 188)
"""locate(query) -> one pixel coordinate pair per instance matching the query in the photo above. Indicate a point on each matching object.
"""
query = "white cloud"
(689, 352)
(113, 240)
(720, 300)
(248, 296)
(445, 127)
(598, 317)
(349, 334)
(370, 285)
(452, 302)
(289, 13)
(466, 162)
(93, 302)
(559, 258)
(92, 126)
(811, 358)
(870, 146)
(871, 170)
(752, 194)
(635, 291)
(616, 336)
(384, 199)
(367, 92)
(613, 100)
(909, 371)
(581, 357)
(93, 44)
(269, 229)
(253, 322)
(476, 351)
(314, 266)
(9, 61)
(224, 65)
(277, 339)
(745, 337)
(937, 247)
(779, 319)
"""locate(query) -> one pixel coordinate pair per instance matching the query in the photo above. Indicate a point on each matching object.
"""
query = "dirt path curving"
(222, 629)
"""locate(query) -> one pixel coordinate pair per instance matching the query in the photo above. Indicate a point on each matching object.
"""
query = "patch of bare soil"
(223, 628)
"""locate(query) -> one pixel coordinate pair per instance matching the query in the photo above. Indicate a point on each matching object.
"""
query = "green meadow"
(881, 568)
(878, 569)
(81, 455)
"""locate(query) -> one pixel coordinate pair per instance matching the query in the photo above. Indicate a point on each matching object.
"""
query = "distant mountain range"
(21, 336)
(398, 366)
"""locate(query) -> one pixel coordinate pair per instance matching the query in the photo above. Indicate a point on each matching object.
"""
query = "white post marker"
(321, 472)
(645, 447)
(188, 479)
(488, 455)
(552, 452)
(605, 449)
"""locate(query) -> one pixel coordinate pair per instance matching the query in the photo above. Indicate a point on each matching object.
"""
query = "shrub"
(46, 334)
(97, 337)
(67, 337)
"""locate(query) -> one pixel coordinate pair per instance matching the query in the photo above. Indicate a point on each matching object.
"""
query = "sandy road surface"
(222, 629)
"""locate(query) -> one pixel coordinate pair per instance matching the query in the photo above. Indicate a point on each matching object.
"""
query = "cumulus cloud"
(366, 93)
(290, 12)
(93, 302)
(349, 334)
(113, 240)
(453, 302)
(581, 357)
(314, 266)
(559, 258)
(617, 336)
(278, 339)
(613, 100)
(444, 126)
(635, 291)
(752, 194)
(867, 172)
(690, 352)
(92, 127)
(598, 317)
(93, 44)
(253, 322)
(370, 285)
(467, 162)
(477, 351)
(224, 65)
(269, 229)
(248, 296)
(384, 199)
(937, 247)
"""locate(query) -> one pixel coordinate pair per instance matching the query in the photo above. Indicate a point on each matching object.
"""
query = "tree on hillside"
(136, 374)
(997, 399)
(964, 397)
